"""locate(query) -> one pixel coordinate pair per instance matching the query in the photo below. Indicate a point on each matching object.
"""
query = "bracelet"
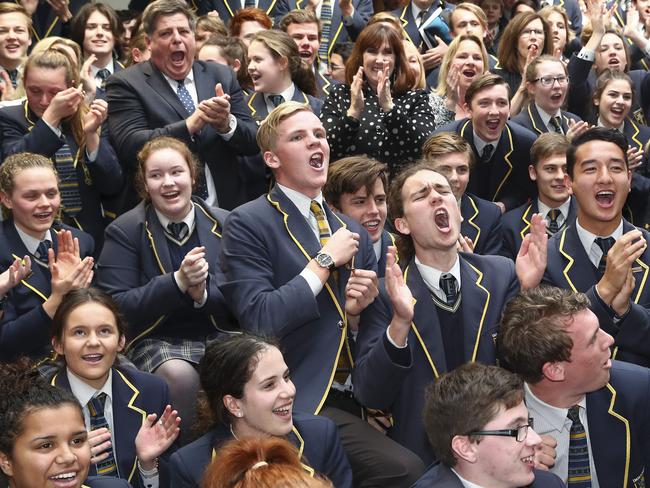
(151, 473)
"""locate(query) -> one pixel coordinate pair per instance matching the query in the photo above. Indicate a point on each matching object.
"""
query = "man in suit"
(299, 272)
(478, 424)
(554, 202)
(594, 409)
(452, 156)
(356, 187)
(501, 148)
(199, 103)
(443, 310)
(341, 20)
(603, 255)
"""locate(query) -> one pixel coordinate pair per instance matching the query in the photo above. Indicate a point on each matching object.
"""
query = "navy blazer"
(228, 8)
(25, 327)
(573, 13)
(142, 105)
(568, 266)
(323, 84)
(515, 224)
(387, 239)
(316, 438)
(339, 30)
(409, 24)
(530, 118)
(105, 482)
(440, 476)
(46, 23)
(135, 395)
(507, 180)
(22, 131)
(481, 223)
(136, 268)
(385, 381)
(266, 244)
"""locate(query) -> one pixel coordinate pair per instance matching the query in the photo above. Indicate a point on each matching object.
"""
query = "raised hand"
(95, 117)
(342, 246)
(453, 87)
(216, 110)
(155, 437)
(63, 105)
(576, 127)
(346, 8)
(18, 271)
(531, 259)
(634, 157)
(383, 89)
(87, 79)
(193, 270)
(357, 101)
(545, 453)
(399, 293)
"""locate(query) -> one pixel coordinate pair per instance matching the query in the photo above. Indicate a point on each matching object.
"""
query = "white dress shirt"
(588, 241)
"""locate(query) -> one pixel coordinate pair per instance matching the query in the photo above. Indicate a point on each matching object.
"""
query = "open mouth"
(529, 460)
(65, 480)
(559, 187)
(556, 97)
(305, 54)
(613, 62)
(92, 358)
(618, 112)
(372, 226)
(492, 124)
(284, 411)
(469, 73)
(441, 219)
(43, 216)
(316, 161)
(605, 198)
(171, 195)
(178, 57)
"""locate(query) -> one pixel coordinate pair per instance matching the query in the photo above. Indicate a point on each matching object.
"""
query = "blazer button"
(340, 325)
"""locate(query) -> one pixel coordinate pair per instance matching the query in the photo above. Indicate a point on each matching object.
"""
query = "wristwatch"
(325, 261)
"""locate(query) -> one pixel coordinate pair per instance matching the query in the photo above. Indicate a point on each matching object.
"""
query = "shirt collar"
(545, 116)
(587, 238)
(84, 392)
(431, 275)
(544, 209)
(188, 219)
(620, 128)
(31, 243)
(480, 143)
(302, 202)
(464, 482)
(555, 416)
(286, 94)
(189, 79)
(376, 246)
(110, 67)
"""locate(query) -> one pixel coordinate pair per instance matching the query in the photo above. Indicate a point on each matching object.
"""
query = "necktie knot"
(449, 285)
(574, 413)
(605, 244)
(41, 250)
(178, 230)
(551, 217)
(557, 124)
(487, 153)
(103, 74)
(421, 16)
(276, 100)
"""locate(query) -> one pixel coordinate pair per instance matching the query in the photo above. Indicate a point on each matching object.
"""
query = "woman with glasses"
(547, 84)
(526, 37)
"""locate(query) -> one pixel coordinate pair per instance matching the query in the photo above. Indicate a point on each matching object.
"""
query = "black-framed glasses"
(520, 432)
(549, 80)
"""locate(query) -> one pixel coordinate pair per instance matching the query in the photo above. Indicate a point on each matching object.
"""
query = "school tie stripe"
(551, 218)
(324, 233)
(579, 470)
(107, 467)
(326, 23)
(68, 181)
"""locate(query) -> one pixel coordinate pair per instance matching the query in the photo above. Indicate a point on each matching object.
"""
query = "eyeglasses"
(549, 80)
(529, 32)
(520, 433)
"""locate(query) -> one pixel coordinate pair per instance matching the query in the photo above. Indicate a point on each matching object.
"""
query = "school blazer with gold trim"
(530, 119)
(104, 177)
(387, 239)
(25, 327)
(515, 224)
(568, 266)
(316, 438)
(135, 267)
(409, 23)
(136, 394)
(392, 379)
(504, 178)
(266, 244)
(440, 476)
(105, 482)
(481, 223)
(228, 8)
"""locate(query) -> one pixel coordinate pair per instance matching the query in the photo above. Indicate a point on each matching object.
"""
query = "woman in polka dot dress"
(376, 113)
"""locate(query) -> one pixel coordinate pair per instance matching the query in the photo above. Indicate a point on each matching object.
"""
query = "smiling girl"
(161, 264)
(249, 393)
(88, 332)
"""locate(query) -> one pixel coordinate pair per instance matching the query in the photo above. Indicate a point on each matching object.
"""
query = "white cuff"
(587, 54)
(312, 280)
(406, 342)
(232, 126)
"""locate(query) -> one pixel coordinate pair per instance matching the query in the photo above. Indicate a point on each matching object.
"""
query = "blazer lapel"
(335, 224)
(158, 241)
(475, 303)
(204, 87)
(257, 106)
(297, 440)
(536, 119)
(565, 122)
(299, 96)
(469, 211)
(525, 218)
(425, 325)
(609, 428)
(640, 270)
(503, 150)
(579, 272)
(159, 84)
(207, 228)
(631, 131)
(38, 281)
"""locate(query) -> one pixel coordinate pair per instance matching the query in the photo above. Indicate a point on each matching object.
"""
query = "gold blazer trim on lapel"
(639, 144)
(301, 448)
(153, 247)
(47, 33)
(620, 417)
(419, 337)
(478, 281)
(532, 119)
(570, 260)
(344, 330)
(405, 22)
(28, 285)
(131, 406)
(527, 222)
(214, 221)
(471, 222)
(250, 104)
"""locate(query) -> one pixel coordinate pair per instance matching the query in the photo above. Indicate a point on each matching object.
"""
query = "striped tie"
(552, 216)
(107, 467)
(68, 181)
(326, 23)
(579, 471)
(323, 227)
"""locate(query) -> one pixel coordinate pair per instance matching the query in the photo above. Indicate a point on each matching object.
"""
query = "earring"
(239, 414)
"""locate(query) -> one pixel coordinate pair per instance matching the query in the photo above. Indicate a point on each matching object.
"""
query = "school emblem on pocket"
(639, 117)
(639, 481)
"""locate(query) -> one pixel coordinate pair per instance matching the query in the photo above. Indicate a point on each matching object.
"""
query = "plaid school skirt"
(148, 354)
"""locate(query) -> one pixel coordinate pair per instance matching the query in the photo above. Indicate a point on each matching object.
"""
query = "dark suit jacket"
(142, 105)
(394, 380)
(481, 223)
(23, 131)
(530, 118)
(339, 31)
(25, 327)
(135, 395)
(266, 244)
(440, 476)
(136, 268)
(505, 177)
(515, 224)
(104, 482)
(228, 8)
(46, 23)
(315, 437)
(569, 267)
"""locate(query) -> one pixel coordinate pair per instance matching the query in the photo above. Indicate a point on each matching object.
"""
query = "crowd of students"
(287, 244)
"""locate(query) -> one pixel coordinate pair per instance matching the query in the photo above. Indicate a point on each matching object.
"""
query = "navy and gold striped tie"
(107, 467)
(324, 233)
(68, 181)
(579, 470)
(326, 23)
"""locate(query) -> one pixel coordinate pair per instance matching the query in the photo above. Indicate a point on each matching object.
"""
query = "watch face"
(324, 260)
